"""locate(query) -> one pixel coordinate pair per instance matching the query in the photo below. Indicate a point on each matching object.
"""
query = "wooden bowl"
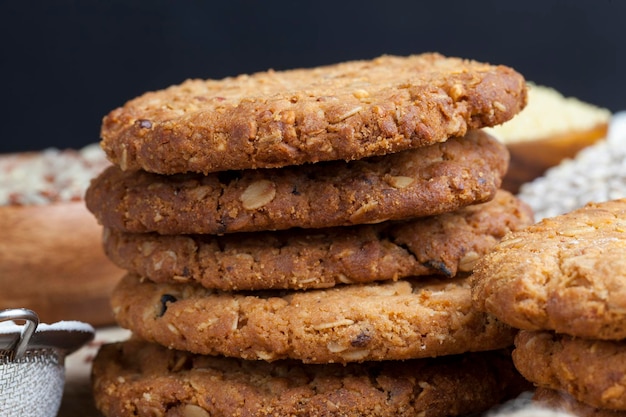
(550, 129)
(52, 262)
(531, 159)
(51, 255)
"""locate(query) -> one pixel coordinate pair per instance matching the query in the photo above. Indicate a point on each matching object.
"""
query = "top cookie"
(344, 111)
(566, 273)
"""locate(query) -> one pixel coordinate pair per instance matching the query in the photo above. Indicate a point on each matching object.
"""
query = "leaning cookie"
(558, 400)
(138, 378)
(421, 182)
(352, 323)
(321, 258)
(346, 111)
(566, 273)
(592, 371)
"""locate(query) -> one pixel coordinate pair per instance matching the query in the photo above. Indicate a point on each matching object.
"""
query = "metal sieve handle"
(32, 321)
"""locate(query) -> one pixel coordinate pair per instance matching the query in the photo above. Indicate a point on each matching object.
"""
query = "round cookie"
(298, 259)
(183, 384)
(422, 182)
(591, 371)
(345, 111)
(566, 273)
(352, 323)
(561, 401)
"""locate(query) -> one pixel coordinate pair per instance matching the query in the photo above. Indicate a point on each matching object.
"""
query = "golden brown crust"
(565, 273)
(137, 378)
(353, 323)
(444, 244)
(415, 183)
(346, 111)
(591, 371)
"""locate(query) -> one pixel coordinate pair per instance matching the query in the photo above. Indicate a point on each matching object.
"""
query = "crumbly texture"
(298, 259)
(561, 401)
(141, 379)
(415, 183)
(566, 273)
(352, 323)
(346, 111)
(591, 371)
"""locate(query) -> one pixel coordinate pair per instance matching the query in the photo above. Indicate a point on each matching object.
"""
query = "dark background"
(65, 64)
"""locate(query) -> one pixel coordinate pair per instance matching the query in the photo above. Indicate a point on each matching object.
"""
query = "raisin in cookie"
(566, 273)
(414, 183)
(345, 111)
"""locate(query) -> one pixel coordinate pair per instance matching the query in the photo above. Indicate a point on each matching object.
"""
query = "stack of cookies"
(299, 242)
(563, 282)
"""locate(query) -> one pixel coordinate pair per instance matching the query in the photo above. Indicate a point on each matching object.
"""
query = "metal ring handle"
(32, 321)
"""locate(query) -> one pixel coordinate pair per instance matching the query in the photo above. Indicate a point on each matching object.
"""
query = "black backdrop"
(65, 63)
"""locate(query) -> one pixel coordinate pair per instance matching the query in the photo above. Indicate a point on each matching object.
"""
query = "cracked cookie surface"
(138, 378)
(414, 183)
(352, 323)
(345, 111)
(298, 259)
(566, 273)
(591, 371)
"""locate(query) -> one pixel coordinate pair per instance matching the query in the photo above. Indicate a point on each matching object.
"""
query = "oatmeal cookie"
(138, 378)
(414, 183)
(591, 371)
(352, 323)
(345, 111)
(566, 273)
(298, 259)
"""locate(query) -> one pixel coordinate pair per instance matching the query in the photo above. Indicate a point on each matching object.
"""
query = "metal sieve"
(32, 357)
